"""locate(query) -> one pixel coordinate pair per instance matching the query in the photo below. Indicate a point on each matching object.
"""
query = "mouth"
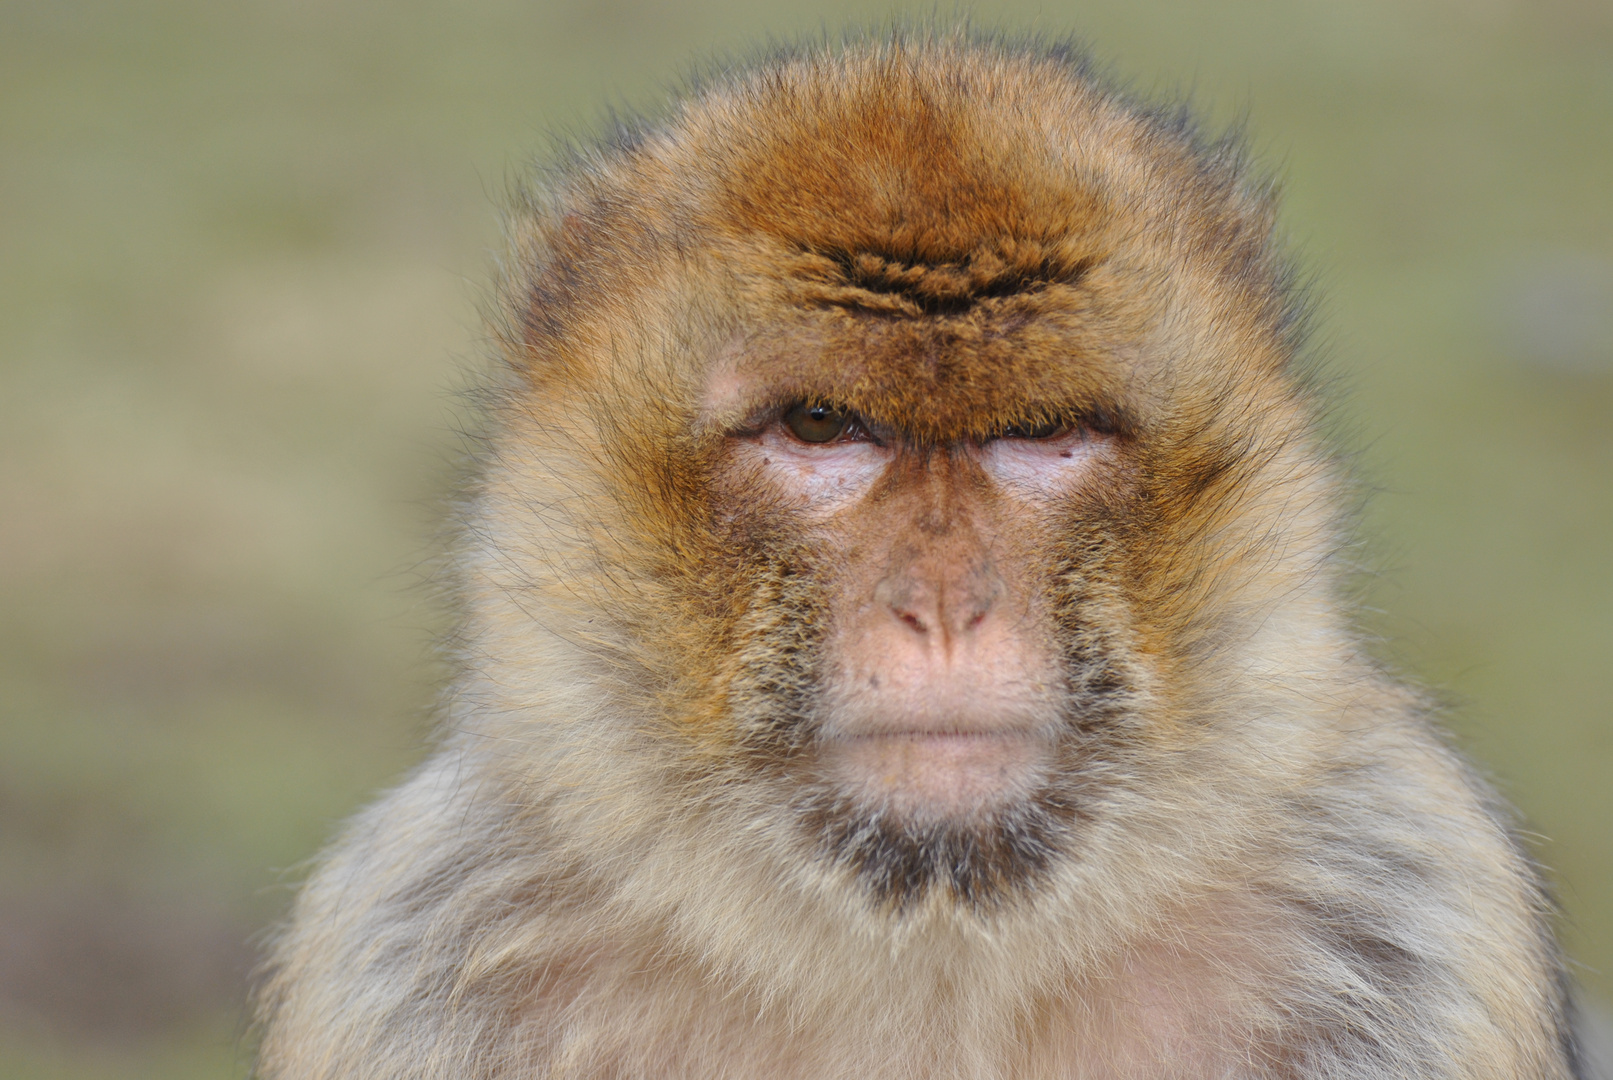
(930, 773)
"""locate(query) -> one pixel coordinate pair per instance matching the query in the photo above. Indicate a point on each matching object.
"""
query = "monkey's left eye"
(1040, 429)
(817, 423)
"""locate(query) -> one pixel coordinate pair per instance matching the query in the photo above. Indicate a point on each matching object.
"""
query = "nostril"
(980, 599)
(905, 600)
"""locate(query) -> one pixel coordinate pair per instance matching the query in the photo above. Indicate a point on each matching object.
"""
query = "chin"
(974, 819)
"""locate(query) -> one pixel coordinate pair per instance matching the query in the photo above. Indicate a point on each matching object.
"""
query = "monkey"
(905, 632)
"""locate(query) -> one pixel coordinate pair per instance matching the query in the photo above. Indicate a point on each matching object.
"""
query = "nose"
(941, 600)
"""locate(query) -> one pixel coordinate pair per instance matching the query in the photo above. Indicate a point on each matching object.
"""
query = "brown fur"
(1262, 861)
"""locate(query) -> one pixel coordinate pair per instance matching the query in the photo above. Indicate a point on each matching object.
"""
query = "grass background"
(241, 247)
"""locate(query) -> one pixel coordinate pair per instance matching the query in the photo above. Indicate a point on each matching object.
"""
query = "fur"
(1261, 860)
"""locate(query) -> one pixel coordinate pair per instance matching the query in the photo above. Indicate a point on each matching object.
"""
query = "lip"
(947, 772)
(940, 738)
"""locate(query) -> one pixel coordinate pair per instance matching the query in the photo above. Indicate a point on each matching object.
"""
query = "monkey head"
(911, 452)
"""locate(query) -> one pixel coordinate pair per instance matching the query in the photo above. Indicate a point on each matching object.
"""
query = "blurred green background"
(241, 252)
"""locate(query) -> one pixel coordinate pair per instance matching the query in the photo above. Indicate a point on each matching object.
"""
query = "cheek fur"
(773, 690)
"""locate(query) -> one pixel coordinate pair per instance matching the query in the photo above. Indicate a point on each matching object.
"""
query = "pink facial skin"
(940, 678)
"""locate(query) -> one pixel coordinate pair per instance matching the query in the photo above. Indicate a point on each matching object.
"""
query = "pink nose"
(939, 650)
(940, 602)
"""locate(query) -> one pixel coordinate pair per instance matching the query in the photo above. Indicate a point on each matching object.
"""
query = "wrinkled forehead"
(1054, 349)
(947, 256)
(935, 258)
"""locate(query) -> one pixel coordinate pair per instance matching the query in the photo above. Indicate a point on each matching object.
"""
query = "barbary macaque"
(903, 635)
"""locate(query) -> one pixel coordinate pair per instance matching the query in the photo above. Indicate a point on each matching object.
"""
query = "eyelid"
(1041, 431)
(1038, 432)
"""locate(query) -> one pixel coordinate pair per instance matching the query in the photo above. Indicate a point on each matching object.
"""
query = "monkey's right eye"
(816, 423)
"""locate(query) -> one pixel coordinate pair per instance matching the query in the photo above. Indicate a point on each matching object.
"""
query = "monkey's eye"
(1040, 429)
(816, 423)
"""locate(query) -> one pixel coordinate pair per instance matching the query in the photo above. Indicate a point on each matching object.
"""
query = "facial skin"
(941, 715)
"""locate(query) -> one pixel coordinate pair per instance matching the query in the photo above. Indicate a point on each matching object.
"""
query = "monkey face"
(940, 686)
(917, 463)
(935, 694)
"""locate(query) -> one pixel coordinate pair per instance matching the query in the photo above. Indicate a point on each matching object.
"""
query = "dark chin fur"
(978, 863)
